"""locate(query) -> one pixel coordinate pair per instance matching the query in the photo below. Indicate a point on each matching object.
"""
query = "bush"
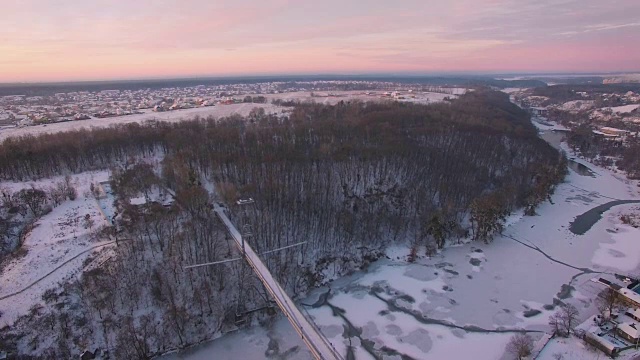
(50, 296)
(72, 193)
(46, 210)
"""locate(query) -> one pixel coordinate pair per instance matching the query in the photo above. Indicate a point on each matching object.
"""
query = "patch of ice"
(622, 253)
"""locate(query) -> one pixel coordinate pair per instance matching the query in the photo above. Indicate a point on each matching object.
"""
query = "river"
(585, 221)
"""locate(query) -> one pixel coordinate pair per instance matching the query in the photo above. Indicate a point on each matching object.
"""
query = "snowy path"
(313, 338)
(2, 297)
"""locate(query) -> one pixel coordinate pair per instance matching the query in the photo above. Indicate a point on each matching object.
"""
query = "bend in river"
(585, 221)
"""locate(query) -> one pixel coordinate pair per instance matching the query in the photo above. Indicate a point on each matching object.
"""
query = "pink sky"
(52, 40)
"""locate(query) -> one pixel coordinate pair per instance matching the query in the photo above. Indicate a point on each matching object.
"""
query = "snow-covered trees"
(564, 320)
(348, 179)
(488, 213)
(607, 301)
(34, 199)
(439, 227)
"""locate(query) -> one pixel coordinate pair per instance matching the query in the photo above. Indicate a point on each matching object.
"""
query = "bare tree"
(69, 189)
(34, 199)
(555, 321)
(569, 315)
(607, 301)
(520, 345)
(88, 222)
(6, 196)
(57, 197)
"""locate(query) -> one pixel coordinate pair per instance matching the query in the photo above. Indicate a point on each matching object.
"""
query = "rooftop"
(634, 312)
(630, 294)
(602, 340)
(630, 329)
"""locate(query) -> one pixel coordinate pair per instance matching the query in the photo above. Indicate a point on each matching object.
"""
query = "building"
(634, 314)
(613, 131)
(539, 111)
(629, 297)
(629, 331)
(601, 343)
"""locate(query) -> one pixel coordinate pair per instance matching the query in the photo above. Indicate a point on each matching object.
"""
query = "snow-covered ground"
(334, 97)
(56, 247)
(447, 306)
(577, 105)
(219, 111)
(512, 90)
(172, 116)
(570, 349)
(279, 341)
(625, 108)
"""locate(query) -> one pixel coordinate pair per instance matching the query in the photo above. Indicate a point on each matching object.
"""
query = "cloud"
(48, 39)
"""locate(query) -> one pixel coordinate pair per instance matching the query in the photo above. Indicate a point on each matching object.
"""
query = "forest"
(349, 179)
(606, 152)
(567, 92)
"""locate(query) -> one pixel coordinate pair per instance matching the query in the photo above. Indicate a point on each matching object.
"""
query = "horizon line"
(299, 75)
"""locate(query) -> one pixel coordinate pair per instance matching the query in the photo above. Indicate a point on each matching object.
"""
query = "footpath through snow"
(56, 248)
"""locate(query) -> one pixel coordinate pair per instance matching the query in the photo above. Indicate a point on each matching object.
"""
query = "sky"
(60, 40)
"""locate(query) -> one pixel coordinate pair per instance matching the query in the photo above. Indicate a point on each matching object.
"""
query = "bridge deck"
(313, 338)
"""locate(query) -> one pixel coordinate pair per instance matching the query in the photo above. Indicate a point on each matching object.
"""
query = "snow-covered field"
(279, 341)
(172, 116)
(334, 97)
(625, 108)
(447, 306)
(577, 105)
(219, 111)
(56, 247)
(571, 349)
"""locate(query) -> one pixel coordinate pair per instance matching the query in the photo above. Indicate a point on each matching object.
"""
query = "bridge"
(319, 346)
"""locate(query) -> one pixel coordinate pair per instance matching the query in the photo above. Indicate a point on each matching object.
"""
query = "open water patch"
(580, 169)
(583, 222)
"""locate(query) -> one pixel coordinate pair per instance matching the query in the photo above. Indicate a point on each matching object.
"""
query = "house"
(613, 131)
(601, 343)
(539, 111)
(634, 314)
(629, 297)
(615, 287)
(629, 331)
(87, 355)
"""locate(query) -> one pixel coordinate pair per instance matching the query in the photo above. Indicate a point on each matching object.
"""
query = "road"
(319, 346)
